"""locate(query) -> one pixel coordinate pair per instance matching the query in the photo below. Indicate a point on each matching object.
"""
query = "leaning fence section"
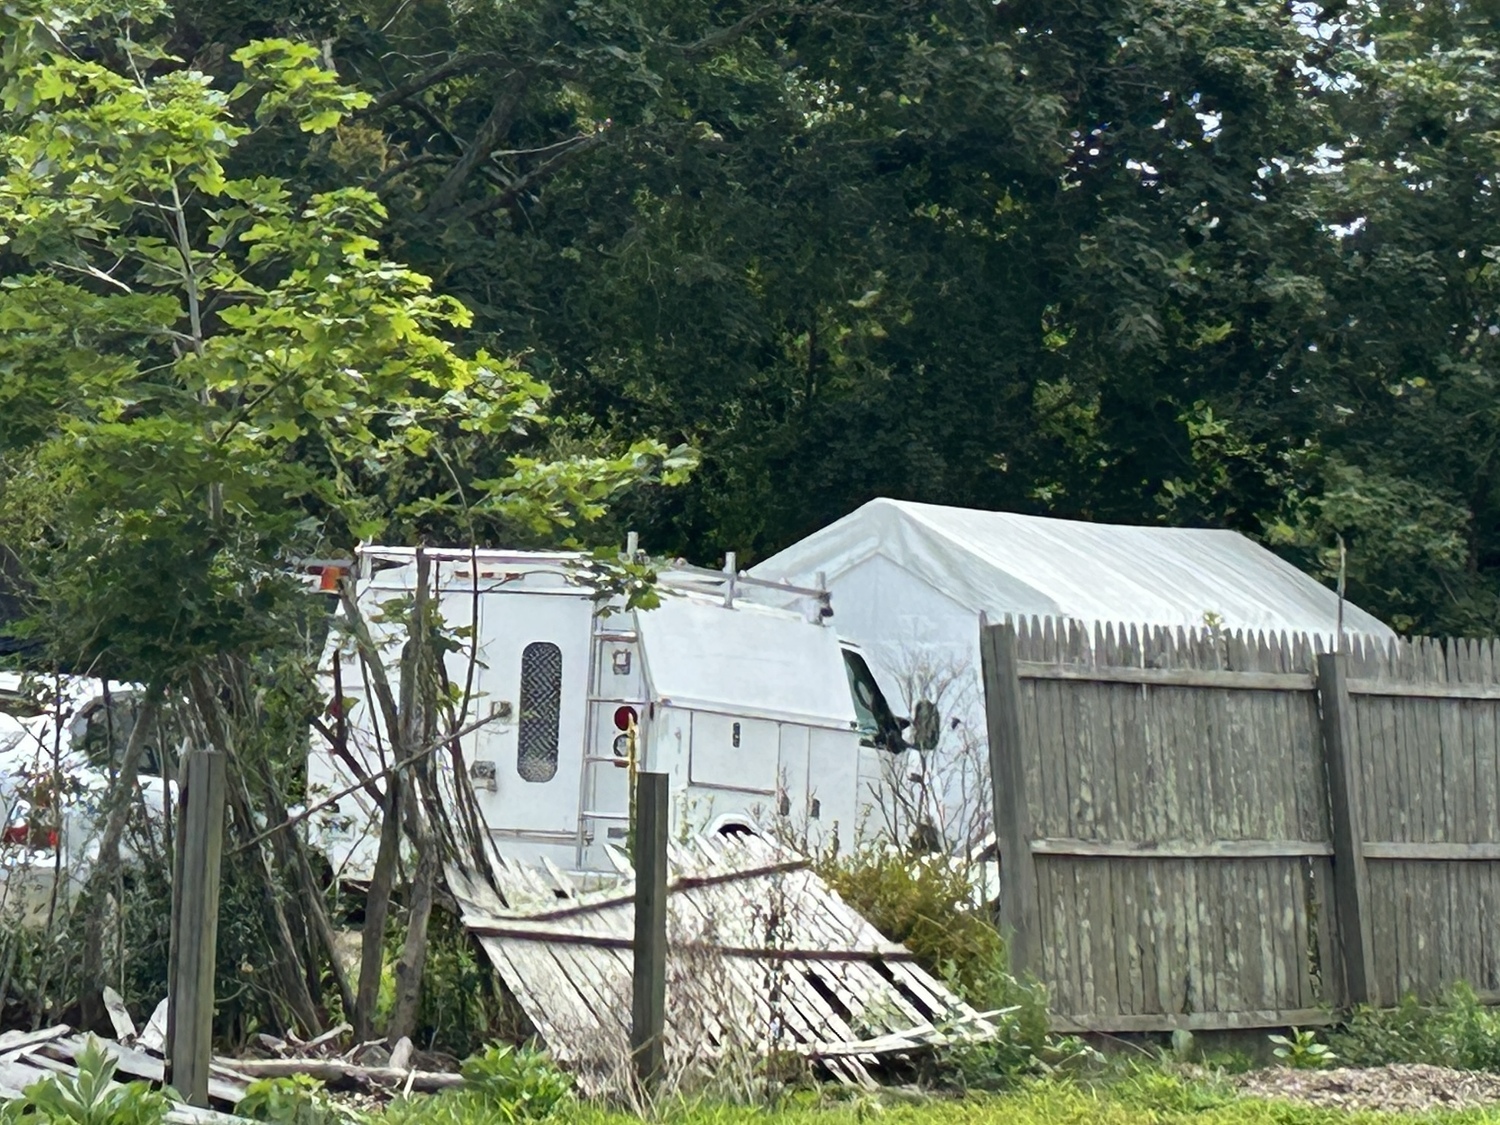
(1204, 829)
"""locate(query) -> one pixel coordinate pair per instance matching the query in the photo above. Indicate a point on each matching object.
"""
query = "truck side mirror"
(926, 726)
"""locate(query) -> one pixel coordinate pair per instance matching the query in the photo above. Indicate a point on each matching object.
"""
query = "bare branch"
(390, 771)
(485, 141)
(533, 177)
(407, 165)
(452, 68)
(723, 36)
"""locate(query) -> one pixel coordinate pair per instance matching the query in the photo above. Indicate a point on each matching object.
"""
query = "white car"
(60, 741)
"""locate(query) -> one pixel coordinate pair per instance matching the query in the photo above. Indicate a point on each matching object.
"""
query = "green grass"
(1147, 1098)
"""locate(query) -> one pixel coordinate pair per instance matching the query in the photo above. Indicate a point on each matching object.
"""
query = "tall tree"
(208, 375)
(1165, 261)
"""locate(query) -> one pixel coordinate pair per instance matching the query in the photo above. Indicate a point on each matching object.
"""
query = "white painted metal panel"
(729, 752)
(747, 660)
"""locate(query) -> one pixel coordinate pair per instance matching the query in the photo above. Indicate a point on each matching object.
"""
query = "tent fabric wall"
(909, 581)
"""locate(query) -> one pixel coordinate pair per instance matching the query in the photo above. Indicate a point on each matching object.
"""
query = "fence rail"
(1201, 829)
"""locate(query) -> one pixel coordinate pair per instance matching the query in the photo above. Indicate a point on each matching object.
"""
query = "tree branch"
(485, 141)
(459, 64)
(723, 36)
(533, 177)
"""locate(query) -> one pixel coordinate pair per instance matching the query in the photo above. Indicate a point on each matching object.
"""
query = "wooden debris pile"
(362, 1066)
(27, 1056)
(30, 1056)
(764, 960)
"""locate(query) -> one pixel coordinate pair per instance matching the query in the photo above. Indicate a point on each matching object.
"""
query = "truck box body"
(741, 694)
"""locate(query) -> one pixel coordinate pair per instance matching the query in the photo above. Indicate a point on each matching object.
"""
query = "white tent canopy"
(1003, 563)
(908, 583)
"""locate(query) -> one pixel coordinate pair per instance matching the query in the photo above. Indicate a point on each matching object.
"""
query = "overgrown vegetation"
(1456, 1031)
(927, 903)
(1040, 1102)
(503, 1083)
(209, 376)
(89, 1097)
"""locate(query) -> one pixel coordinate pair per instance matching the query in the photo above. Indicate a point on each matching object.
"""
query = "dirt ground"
(1399, 1088)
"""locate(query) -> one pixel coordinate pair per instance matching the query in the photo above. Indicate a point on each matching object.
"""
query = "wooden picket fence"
(1212, 830)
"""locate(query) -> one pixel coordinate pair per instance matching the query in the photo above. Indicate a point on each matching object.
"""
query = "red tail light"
(328, 581)
(27, 836)
(625, 717)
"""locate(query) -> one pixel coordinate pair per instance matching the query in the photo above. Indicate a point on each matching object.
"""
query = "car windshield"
(876, 723)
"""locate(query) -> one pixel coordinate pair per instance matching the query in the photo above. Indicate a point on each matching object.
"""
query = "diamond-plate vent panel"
(541, 705)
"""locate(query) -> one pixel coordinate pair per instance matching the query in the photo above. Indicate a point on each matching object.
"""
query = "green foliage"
(1301, 1050)
(1146, 1099)
(461, 1006)
(518, 1083)
(1456, 1031)
(501, 1082)
(1167, 262)
(293, 1100)
(1156, 1089)
(86, 1098)
(927, 905)
(207, 372)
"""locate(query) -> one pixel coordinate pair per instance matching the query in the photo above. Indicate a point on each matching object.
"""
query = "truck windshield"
(877, 726)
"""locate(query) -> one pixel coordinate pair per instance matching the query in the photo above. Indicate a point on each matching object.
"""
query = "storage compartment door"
(735, 753)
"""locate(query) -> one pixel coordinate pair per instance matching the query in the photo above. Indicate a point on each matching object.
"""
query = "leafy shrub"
(928, 905)
(500, 1083)
(86, 1098)
(462, 1008)
(294, 1100)
(1301, 1050)
(522, 1083)
(1456, 1031)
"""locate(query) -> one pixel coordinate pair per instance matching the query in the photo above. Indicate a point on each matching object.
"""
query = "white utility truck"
(737, 688)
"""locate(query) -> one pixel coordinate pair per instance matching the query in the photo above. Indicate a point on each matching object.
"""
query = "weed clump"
(1456, 1031)
(929, 904)
(296, 1099)
(502, 1083)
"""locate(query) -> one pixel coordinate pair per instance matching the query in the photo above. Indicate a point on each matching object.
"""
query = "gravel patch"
(1399, 1088)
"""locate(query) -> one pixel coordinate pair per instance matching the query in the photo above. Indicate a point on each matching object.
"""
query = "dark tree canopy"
(1162, 261)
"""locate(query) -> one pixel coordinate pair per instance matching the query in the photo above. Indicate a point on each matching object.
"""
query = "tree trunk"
(377, 911)
(106, 871)
(414, 951)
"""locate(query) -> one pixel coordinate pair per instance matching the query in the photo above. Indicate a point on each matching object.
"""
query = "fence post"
(195, 924)
(648, 999)
(1351, 878)
(1002, 705)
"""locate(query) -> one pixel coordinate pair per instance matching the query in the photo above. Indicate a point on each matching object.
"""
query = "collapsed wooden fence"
(1208, 830)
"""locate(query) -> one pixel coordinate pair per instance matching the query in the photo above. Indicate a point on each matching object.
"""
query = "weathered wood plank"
(1183, 849)
(1351, 878)
(195, 925)
(1195, 1021)
(1002, 695)
(1423, 689)
(1169, 677)
(1445, 851)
